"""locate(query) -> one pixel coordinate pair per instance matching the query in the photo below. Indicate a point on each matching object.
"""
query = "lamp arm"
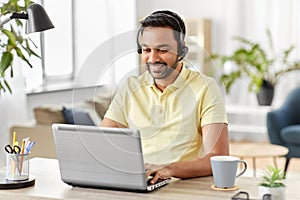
(5, 21)
(14, 16)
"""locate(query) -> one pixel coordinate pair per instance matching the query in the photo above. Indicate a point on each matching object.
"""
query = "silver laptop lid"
(100, 157)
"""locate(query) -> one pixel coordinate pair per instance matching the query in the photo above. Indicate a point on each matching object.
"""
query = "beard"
(160, 70)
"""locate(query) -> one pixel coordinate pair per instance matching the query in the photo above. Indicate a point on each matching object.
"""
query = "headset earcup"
(183, 51)
(139, 47)
(139, 50)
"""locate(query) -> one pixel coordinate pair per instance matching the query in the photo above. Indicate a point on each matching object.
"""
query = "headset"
(180, 30)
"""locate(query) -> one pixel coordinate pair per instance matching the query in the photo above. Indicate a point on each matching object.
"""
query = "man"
(179, 112)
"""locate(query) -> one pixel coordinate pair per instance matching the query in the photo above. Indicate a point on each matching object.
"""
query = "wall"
(216, 10)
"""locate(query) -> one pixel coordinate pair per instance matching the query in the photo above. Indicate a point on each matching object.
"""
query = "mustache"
(156, 63)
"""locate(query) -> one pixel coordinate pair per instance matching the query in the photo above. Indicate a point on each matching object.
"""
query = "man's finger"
(155, 178)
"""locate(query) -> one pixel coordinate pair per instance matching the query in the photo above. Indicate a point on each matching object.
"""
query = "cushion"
(291, 134)
(79, 117)
(48, 114)
(100, 104)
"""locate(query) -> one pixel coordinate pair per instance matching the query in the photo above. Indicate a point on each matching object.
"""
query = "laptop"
(97, 157)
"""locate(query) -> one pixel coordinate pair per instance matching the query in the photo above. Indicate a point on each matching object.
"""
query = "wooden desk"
(257, 150)
(49, 186)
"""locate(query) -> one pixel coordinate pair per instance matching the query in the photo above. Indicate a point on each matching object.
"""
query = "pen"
(26, 142)
(29, 146)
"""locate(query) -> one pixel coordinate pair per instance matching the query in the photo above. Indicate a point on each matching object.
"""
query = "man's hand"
(158, 172)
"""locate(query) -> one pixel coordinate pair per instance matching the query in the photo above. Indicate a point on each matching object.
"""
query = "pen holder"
(17, 167)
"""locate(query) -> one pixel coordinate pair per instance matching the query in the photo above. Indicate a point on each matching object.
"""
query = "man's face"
(159, 51)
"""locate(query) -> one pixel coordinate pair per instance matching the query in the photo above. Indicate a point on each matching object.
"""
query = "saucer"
(224, 189)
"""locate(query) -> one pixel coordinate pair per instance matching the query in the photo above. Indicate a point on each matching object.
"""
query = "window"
(97, 30)
(58, 42)
(55, 46)
(80, 28)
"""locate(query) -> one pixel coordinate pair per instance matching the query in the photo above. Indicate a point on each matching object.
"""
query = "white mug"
(224, 170)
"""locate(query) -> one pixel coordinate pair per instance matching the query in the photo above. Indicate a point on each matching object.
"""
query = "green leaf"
(21, 55)
(243, 40)
(11, 72)
(7, 86)
(33, 53)
(12, 6)
(31, 42)
(229, 79)
(273, 177)
(286, 54)
(27, 3)
(6, 61)
(19, 22)
(29, 50)
(1, 87)
(11, 36)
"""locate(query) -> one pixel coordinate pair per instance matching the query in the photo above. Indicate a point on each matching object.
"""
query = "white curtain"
(97, 33)
(251, 18)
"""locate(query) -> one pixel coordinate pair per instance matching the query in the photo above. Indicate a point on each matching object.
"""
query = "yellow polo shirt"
(170, 121)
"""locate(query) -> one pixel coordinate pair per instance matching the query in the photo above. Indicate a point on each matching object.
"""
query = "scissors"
(13, 150)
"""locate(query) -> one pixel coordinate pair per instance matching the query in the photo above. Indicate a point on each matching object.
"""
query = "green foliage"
(252, 61)
(273, 177)
(13, 43)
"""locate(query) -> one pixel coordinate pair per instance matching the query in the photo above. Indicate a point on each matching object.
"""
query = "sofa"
(88, 112)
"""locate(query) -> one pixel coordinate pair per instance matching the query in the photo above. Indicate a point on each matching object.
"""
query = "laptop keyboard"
(159, 183)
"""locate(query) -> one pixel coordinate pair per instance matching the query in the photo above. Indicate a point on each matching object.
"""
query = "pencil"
(14, 139)
(22, 154)
(14, 143)
(23, 146)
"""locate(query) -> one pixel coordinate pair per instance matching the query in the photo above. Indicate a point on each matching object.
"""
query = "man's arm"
(106, 122)
(215, 142)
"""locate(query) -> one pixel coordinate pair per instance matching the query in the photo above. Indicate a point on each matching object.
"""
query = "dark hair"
(165, 18)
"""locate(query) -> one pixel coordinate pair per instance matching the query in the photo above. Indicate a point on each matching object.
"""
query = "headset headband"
(182, 49)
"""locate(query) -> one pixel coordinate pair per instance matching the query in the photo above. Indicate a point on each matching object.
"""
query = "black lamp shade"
(38, 19)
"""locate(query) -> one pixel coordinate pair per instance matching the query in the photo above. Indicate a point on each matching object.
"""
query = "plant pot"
(265, 94)
(277, 193)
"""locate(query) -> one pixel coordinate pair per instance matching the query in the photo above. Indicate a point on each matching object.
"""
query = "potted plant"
(252, 61)
(272, 183)
(13, 43)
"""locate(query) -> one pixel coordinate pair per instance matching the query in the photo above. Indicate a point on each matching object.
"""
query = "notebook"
(96, 157)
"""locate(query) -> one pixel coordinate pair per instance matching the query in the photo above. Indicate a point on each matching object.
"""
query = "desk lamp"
(37, 17)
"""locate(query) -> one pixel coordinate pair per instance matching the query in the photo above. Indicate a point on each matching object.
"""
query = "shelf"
(237, 109)
(198, 40)
(247, 129)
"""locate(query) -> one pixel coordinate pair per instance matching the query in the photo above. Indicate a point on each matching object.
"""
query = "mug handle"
(245, 168)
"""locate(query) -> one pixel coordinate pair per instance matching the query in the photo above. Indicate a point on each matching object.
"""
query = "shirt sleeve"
(212, 108)
(117, 108)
